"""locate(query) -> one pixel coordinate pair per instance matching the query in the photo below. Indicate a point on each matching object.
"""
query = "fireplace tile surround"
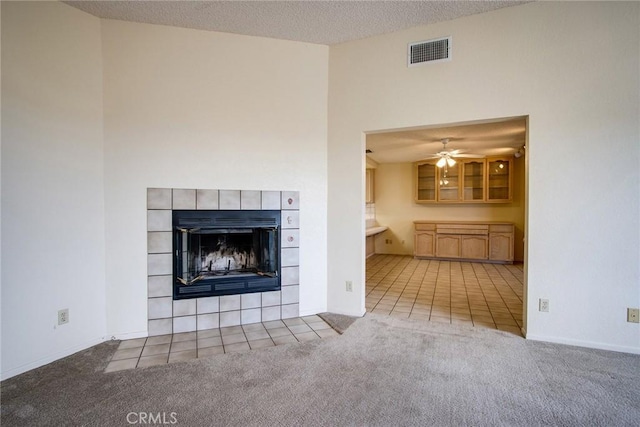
(166, 316)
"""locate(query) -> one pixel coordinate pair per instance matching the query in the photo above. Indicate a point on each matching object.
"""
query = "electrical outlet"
(349, 285)
(543, 305)
(63, 316)
(633, 315)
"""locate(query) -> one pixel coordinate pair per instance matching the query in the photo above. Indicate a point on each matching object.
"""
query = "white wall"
(573, 69)
(52, 184)
(196, 109)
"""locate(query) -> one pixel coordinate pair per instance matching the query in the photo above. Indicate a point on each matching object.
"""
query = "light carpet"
(382, 371)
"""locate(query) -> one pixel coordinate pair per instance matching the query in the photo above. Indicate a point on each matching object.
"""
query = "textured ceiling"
(320, 22)
(488, 138)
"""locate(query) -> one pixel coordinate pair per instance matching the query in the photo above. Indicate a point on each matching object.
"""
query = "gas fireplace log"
(189, 282)
(262, 273)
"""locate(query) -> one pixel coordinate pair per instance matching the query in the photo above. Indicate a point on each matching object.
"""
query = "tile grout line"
(495, 285)
(502, 298)
(420, 286)
(197, 349)
(405, 284)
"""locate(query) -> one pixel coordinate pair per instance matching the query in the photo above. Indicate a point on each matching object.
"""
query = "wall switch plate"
(633, 315)
(349, 285)
(63, 316)
(543, 305)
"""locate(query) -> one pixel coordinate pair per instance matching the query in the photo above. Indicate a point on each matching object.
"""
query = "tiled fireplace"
(166, 315)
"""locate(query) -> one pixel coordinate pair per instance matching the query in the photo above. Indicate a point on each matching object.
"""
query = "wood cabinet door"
(473, 180)
(424, 244)
(448, 246)
(499, 180)
(474, 247)
(449, 183)
(501, 246)
(425, 182)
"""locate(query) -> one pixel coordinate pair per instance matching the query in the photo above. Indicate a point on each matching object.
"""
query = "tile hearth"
(163, 349)
(167, 316)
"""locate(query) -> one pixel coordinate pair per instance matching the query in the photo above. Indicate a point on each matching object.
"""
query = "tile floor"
(479, 294)
(159, 350)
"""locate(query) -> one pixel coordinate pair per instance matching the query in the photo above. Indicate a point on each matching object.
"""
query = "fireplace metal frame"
(225, 221)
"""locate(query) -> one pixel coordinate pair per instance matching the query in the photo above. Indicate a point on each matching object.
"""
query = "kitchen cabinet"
(499, 179)
(473, 180)
(424, 239)
(426, 178)
(487, 180)
(449, 183)
(501, 241)
(469, 241)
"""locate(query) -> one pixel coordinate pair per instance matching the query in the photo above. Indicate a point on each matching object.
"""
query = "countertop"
(375, 230)
(461, 222)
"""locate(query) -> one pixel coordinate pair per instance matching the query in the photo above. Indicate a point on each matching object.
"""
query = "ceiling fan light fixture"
(441, 162)
(451, 162)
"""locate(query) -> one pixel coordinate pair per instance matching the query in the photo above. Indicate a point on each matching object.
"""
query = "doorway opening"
(451, 201)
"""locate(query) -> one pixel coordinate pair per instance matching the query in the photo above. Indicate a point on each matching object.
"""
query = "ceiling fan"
(448, 157)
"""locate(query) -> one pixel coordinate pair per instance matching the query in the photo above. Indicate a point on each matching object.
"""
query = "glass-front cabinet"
(425, 182)
(449, 183)
(473, 189)
(468, 181)
(499, 180)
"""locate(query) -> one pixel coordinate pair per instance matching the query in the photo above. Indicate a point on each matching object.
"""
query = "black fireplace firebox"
(225, 252)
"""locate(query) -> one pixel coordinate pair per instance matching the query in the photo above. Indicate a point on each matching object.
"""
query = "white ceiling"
(320, 22)
(487, 138)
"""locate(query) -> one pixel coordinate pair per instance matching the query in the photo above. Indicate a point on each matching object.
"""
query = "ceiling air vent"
(430, 51)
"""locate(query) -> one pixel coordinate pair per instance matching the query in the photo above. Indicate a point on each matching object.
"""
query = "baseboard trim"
(50, 358)
(128, 336)
(586, 344)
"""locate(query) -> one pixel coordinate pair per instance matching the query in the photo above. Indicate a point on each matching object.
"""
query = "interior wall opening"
(445, 215)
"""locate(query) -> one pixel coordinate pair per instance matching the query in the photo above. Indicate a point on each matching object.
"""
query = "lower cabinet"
(474, 247)
(472, 241)
(501, 246)
(424, 243)
(448, 246)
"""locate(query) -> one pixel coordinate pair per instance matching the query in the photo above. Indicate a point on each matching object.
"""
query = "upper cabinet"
(426, 178)
(473, 180)
(499, 179)
(468, 181)
(449, 183)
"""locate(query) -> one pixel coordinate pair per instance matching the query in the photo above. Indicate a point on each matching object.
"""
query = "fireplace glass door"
(215, 252)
